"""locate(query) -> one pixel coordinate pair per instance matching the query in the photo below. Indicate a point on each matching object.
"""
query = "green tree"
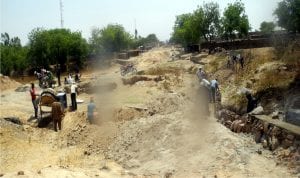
(184, 30)
(211, 21)
(150, 40)
(13, 55)
(56, 46)
(288, 15)
(235, 20)
(202, 24)
(267, 27)
(112, 38)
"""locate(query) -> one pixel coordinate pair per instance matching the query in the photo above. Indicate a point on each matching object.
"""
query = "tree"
(235, 20)
(150, 40)
(13, 55)
(202, 24)
(267, 27)
(112, 38)
(288, 15)
(5, 40)
(56, 46)
(185, 30)
(211, 21)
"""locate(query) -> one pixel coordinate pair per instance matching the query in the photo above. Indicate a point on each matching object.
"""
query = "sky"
(19, 17)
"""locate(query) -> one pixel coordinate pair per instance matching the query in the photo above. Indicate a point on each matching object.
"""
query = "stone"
(259, 152)
(258, 136)
(275, 115)
(21, 173)
(14, 120)
(286, 143)
(240, 127)
(265, 143)
(290, 137)
(258, 110)
(274, 143)
(228, 115)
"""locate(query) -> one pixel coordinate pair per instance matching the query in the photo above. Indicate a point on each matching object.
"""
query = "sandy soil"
(147, 130)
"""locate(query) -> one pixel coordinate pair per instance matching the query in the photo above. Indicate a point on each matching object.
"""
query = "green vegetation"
(235, 21)
(202, 24)
(112, 38)
(150, 40)
(267, 27)
(13, 55)
(288, 15)
(56, 46)
(64, 47)
(205, 24)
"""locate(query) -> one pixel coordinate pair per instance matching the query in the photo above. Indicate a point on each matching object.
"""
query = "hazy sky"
(19, 17)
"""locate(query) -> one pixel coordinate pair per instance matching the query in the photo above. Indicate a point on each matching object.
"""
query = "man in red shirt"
(34, 100)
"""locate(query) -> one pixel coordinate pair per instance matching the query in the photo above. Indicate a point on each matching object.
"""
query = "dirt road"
(167, 137)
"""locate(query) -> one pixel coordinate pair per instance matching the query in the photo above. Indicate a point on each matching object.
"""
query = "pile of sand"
(7, 83)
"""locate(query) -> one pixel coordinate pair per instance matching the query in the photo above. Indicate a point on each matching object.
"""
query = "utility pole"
(135, 30)
(61, 14)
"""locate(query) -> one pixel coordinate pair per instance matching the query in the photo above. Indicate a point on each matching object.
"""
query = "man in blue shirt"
(90, 110)
(214, 86)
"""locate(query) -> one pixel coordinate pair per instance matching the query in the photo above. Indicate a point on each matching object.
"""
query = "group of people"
(70, 79)
(57, 109)
(234, 60)
(45, 77)
(212, 86)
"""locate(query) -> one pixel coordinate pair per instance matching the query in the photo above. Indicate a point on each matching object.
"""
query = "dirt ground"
(148, 129)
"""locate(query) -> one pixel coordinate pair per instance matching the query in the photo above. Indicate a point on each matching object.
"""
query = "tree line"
(62, 46)
(206, 24)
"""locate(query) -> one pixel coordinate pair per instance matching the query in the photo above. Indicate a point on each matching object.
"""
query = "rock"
(286, 143)
(133, 163)
(259, 152)
(258, 136)
(274, 143)
(275, 115)
(228, 115)
(168, 175)
(240, 128)
(1, 175)
(14, 120)
(265, 143)
(21, 173)
(257, 111)
(290, 137)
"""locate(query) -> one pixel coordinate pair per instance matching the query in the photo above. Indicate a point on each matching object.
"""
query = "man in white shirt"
(73, 96)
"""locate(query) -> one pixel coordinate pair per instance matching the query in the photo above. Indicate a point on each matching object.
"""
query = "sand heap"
(7, 83)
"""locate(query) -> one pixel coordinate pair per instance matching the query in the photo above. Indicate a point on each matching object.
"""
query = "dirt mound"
(7, 83)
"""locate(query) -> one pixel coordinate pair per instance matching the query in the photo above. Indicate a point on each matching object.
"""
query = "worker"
(91, 110)
(57, 115)
(73, 96)
(242, 61)
(205, 97)
(201, 74)
(34, 99)
(252, 102)
(58, 72)
(214, 87)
